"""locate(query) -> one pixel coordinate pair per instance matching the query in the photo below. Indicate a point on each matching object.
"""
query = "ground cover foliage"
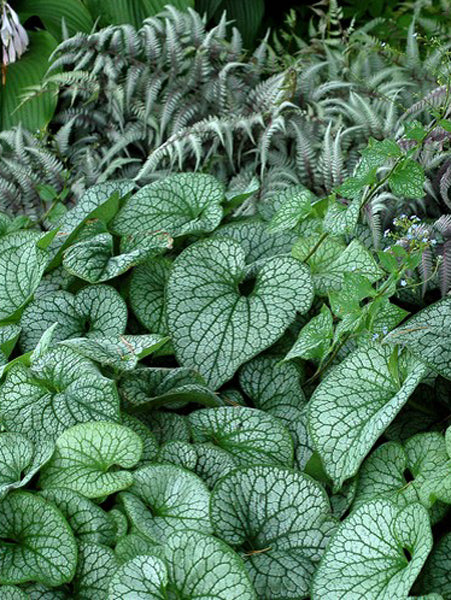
(225, 342)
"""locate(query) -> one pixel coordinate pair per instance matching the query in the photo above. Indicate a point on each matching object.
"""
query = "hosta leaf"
(376, 553)
(36, 543)
(353, 406)
(401, 472)
(20, 460)
(88, 522)
(257, 242)
(280, 520)
(87, 458)
(167, 498)
(97, 310)
(22, 265)
(436, 575)
(177, 205)
(95, 566)
(407, 181)
(192, 565)
(146, 389)
(251, 436)
(216, 325)
(295, 206)
(147, 286)
(315, 337)
(58, 391)
(121, 352)
(428, 335)
(94, 260)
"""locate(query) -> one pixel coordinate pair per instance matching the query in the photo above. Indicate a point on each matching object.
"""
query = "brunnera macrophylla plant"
(200, 405)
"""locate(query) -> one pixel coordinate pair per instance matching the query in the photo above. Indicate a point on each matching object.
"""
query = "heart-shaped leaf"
(150, 388)
(436, 575)
(147, 287)
(353, 406)
(94, 260)
(403, 472)
(98, 310)
(58, 391)
(253, 236)
(87, 458)
(22, 265)
(216, 323)
(192, 565)
(20, 460)
(428, 335)
(88, 521)
(36, 543)
(177, 205)
(376, 553)
(280, 520)
(249, 435)
(95, 566)
(167, 498)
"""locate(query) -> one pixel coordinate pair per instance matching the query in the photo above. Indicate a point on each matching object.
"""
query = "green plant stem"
(321, 239)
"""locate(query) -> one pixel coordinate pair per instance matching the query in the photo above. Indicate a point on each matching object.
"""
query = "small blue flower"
(385, 329)
(375, 336)
(403, 283)
(434, 242)
(425, 239)
(386, 233)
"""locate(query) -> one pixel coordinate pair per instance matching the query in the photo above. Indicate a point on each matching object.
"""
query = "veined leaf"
(192, 565)
(353, 406)
(436, 576)
(216, 325)
(87, 458)
(52, 12)
(93, 259)
(247, 508)
(251, 436)
(376, 553)
(177, 205)
(58, 391)
(36, 543)
(167, 498)
(428, 336)
(95, 311)
(147, 289)
(315, 337)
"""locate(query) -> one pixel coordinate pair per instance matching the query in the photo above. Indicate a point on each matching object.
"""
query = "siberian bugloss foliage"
(200, 404)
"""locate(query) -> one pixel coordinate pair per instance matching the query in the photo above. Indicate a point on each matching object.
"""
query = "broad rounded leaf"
(254, 238)
(280, 520)
(376, 553)
(212, 463)
(436, 575)
(97, 310)
(22, 265)
(36, 543)
(94, 259)
(249, 435)
(87, 458)
(147, 286)
(96, 564)
(192, 565)
(428, 335)
(88, 521)
(353, 406)
(58, 391)
(404, 473)
(177, 205)
(167, 498)
(20, 460)
(215, 324)
(408, 180)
